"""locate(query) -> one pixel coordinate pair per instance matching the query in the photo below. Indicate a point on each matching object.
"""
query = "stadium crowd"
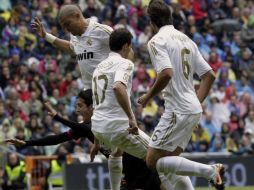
(32, 70)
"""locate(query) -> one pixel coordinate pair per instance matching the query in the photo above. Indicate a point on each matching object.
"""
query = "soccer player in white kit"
(176, 58)
(88, 40)
(113, 121)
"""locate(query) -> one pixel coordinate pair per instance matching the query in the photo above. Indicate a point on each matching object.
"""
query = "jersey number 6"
(100, 77)
(185, 64)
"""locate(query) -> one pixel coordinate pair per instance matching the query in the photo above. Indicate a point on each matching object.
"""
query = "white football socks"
(115, 171)
(180, 182)
(165, 182)
(176, 182)
(182, 166)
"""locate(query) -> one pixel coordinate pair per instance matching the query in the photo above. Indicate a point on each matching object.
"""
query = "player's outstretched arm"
(46, 141)
(63, 45)
(123, 100)
(205, 85)
(84, 130)
(15, 142)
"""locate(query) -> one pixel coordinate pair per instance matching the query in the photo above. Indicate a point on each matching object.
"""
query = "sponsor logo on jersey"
(85, 55)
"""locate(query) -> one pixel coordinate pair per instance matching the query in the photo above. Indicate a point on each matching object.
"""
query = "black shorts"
(137, 175)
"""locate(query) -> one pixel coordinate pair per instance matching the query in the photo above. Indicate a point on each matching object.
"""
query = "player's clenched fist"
(133, 127)
(143, 100)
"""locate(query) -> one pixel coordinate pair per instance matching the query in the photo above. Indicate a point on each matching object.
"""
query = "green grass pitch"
(228, 188)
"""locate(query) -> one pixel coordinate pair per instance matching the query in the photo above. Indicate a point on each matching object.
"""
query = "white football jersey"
(108, 115)
(170, 48)
(91, 48)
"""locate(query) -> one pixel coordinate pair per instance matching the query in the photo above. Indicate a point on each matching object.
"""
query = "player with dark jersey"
(136, 174)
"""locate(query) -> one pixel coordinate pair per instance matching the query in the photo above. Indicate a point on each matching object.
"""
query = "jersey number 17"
(101, 99)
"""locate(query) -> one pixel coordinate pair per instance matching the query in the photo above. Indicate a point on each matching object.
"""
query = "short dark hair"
(86, 96)
(159, 13)
(119, 38)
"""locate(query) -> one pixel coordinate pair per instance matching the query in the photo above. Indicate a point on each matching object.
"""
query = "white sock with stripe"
(180, 182)
(165, 182)
(115, 171)
(182, 166)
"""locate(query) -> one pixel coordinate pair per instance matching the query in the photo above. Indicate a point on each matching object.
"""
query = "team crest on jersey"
(89, 42)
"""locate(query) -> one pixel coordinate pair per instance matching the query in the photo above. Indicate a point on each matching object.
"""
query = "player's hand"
(16, 142)
(38, 27)
(143, 100)
(133, 127)
(94, 151)
(51, 111)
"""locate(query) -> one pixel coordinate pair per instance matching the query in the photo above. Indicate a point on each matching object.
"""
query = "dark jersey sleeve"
(50, 140)
(78, 129)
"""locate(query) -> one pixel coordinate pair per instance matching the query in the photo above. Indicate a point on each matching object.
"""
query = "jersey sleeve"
(200, 65)
(124, 72)
(72, 43)
(103, 31)
(159, 55)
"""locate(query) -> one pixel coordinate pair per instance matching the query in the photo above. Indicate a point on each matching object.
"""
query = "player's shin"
(180, 182)
(183, 166)
(165, 182)
(115, 171)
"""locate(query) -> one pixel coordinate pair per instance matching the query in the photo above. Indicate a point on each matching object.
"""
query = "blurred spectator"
(55, 178)
(233, 105)
(215, 11)
(200, 135)
(5, 77)
(249, 121)
(231, 146)
(199, 8)
(207, 124)
(7, 130)
(245, 101)
(24, 93)
(238, 133)
(178, 15)
(244, 59)
(92, 9)
(65, 84)
(217, 144)
(247, 33)
(214, 61)
(233, 122)
(3, 113)
(14, 173)
(143, 39)
(246, 143)
(219, 111)
(48, 64)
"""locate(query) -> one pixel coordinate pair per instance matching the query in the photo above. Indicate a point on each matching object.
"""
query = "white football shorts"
(174, 130)
(135, 145)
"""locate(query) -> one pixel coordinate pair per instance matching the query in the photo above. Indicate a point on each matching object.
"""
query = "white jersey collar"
(166, 26)
(112, 53)
(88, 29)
